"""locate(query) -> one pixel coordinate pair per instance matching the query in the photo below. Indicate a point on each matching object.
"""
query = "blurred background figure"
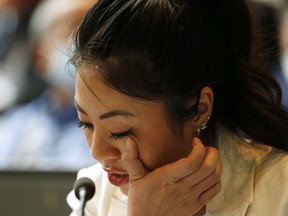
(281, 73)
(43, 133)
(14, 16)
(274, 22)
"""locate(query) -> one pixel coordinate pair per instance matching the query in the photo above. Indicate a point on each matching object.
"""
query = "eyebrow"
(107, 115)
(114, 113)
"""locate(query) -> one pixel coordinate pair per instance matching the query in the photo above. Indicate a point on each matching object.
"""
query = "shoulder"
(271, 165)
(272, 169)
(254, 178)
(270, 195)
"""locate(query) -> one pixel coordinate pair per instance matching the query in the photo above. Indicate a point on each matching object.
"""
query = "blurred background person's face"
(50, 33)
(283, 34)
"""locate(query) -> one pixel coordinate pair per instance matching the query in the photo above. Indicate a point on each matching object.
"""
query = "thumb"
(132, 163)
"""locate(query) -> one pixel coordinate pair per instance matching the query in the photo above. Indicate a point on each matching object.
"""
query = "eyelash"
(83, 125)
(114, 136)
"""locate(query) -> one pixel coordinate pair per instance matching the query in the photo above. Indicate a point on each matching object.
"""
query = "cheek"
(158, 152)
(88, 137)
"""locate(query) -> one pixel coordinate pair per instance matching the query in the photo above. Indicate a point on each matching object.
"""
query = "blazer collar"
(238, 173)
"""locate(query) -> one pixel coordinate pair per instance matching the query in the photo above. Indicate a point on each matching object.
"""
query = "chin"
(124, 189)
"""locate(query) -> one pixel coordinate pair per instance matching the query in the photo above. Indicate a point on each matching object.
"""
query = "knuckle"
(212, 163)
(213, 151)
(135, 177)
(192, 165)
(215, 174)
(208, 169)
(167, 178)
(218, 187)
(203, 199)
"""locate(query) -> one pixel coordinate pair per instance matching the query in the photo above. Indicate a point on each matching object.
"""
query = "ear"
(205, 107)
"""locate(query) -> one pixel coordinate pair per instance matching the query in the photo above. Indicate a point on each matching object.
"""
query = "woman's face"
(109, 117)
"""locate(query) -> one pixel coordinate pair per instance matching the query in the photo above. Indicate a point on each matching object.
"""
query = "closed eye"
(84, 125)
(116, 136)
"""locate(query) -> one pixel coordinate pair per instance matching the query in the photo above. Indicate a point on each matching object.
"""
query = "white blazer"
(254, 183)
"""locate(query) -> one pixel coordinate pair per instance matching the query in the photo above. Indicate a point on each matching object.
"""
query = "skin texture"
(136, 137)
(180, 188)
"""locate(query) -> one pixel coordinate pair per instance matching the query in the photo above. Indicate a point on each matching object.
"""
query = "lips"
(117, 178)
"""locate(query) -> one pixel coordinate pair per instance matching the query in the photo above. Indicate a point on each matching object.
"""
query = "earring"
(203, 126)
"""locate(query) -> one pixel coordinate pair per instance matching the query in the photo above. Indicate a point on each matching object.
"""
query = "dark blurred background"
(41, 147)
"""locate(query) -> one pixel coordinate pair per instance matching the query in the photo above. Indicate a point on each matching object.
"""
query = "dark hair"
(169, 49)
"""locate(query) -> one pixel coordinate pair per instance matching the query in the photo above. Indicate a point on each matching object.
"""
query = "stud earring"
(203, 126)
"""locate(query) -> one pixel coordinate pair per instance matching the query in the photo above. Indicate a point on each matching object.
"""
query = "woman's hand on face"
(180, 188)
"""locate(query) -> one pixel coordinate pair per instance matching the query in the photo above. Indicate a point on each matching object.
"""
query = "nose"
(103, 149)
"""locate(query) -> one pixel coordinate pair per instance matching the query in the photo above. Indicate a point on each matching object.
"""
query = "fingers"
(131, 162)
(210, 186)
(186, 166)
(208, 173)
(210, 165)
(202, 165)
(210, 193)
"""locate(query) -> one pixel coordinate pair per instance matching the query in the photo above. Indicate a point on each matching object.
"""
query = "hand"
(180, 188)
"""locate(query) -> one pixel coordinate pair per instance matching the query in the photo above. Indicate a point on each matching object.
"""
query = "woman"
(152, 76)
